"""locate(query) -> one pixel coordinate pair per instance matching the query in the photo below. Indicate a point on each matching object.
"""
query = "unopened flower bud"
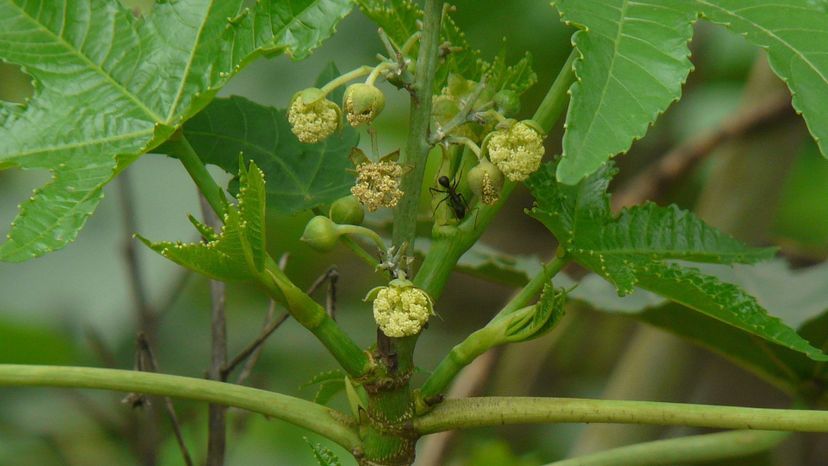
(312, 117)
(485, 181)
(378, 184)
(321, 233)
(400, 309)
(507, 101)
(362, 103)
(517, 151)
(347, 210)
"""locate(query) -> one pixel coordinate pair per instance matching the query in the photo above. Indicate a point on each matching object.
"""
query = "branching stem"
(322, 420)
(491, 411)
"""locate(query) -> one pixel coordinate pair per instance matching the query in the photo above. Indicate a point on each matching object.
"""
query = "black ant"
(456, 201)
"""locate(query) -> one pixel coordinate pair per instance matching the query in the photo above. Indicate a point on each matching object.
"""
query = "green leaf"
(323, 455)
(795, 35)
(798, 297)
(631, 250)
(238, 251)
(633, 60)
(300, 176)
(330, 383)
(109, 87)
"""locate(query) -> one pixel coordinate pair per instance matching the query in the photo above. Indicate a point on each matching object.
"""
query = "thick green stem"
(684, 450)
(492, 411)
(481, 341)
(322, 420)
(448, 247)
(417, 147)
(313, 317)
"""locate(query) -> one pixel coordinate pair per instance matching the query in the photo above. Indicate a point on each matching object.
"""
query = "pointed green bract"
(795, 35)
(633, 60)
(110, 86)
(631, 250)
(238, 251)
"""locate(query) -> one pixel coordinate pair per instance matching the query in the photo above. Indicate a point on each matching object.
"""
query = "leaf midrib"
(616, 45)
(92, 65)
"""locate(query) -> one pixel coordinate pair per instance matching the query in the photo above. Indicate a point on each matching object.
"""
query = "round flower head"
(362, 103)
(400, 309)
(378, 184)
(517, 151)
(312, 117)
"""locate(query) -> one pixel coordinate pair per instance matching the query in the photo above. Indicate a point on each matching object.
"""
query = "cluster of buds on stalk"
(313, 117)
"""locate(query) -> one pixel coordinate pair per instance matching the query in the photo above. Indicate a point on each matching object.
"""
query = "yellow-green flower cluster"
(400, 309)
(378, 184)
(312, 117)
(516, 151)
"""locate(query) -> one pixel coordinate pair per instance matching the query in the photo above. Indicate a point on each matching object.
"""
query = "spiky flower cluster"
(400, 309)
(378, 184)
(312, 117)
(517, 151)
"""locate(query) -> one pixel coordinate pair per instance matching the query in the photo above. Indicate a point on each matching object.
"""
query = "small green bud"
(362, 103)
(485, 181)
(321, 233)
(347, 210)
(507, 102)
(312, 117)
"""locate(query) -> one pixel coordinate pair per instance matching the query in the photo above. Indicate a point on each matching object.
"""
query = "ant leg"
(437, 190)
(463, 198)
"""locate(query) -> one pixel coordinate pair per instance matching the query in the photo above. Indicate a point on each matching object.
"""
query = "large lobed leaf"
(633, 59)
(110, 86)
(632, 249)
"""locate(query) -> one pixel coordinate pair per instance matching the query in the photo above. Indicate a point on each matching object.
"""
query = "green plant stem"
(417, 146)
(301, 307)
(362, 231)
(479, 342)
(347, 77)
(322, 420)
(359, 251)
(684, 450)
(313, 317)
(491, 411)
(182, 149)
(450, 243)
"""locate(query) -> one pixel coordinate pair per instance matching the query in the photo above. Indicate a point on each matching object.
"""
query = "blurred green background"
(53, 307)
